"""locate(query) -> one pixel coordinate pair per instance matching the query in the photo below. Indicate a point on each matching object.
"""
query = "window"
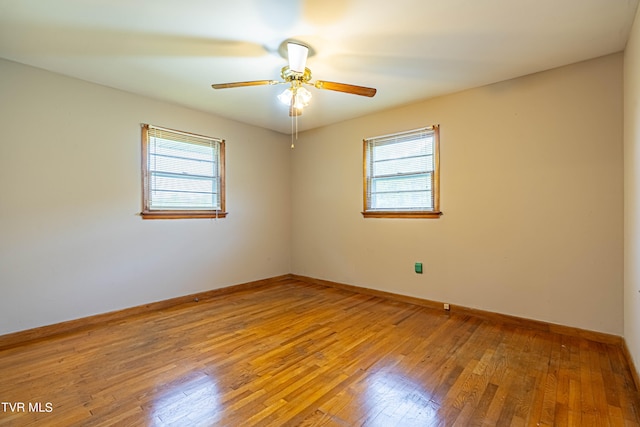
(401, 175)
(182, 175)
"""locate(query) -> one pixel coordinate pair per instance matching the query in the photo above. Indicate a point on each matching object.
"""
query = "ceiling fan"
(297, 75)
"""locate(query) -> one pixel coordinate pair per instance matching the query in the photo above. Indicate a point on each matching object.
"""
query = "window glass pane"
(404, 148)
(181, 149)
(403, 165)
(408, 183)
(182, 184)
(183, 166)
(178, 201)
(190, 158)
(182, 192)
(417, 200)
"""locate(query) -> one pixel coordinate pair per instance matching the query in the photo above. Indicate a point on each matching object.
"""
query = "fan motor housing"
(289, 75)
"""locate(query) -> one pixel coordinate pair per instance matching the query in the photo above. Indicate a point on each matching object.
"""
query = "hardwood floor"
(298, 354)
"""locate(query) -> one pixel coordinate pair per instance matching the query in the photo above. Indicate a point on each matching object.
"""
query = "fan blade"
(241, 84)
(343, 87)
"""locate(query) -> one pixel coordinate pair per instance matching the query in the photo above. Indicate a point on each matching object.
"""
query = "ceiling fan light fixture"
(297, 56)
(298, 96)
(286, 96)
(303, 96)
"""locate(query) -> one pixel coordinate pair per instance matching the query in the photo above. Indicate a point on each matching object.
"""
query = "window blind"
(400, 171)
(183, 171)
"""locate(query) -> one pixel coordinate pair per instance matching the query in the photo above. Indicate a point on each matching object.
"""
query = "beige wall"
(71, 243)
(632, 192)
(531, 190)
(532, 195)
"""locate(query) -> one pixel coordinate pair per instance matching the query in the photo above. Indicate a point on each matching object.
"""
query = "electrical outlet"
(447, 307)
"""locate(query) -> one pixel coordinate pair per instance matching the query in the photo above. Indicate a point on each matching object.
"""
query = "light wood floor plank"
(301, 354)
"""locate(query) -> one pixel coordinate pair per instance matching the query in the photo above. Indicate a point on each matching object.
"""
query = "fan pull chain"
(292, 144)
(294, 130)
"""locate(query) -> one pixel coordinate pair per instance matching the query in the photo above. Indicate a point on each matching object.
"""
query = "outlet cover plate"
(418, 267)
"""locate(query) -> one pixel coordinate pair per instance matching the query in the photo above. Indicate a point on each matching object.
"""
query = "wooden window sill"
(182, 214)
(401, 214)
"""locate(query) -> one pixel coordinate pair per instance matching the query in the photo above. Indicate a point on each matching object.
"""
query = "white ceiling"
(408, 49)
